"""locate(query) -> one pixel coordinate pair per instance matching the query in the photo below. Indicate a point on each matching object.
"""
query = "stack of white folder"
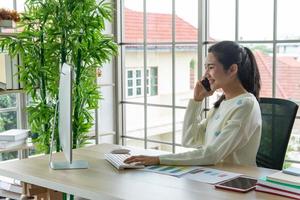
(13, 137)
(10, 187)
(10, 184)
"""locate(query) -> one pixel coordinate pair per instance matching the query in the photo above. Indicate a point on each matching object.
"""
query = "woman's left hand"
(144, 160)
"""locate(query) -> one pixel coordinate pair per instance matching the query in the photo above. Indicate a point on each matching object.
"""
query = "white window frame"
(134, 80)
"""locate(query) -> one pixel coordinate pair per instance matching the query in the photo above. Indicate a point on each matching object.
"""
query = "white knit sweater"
(230, 133)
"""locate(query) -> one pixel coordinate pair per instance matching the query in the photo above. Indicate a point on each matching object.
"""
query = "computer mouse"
(120, 151)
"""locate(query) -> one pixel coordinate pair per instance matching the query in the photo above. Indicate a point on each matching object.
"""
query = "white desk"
(102, 181)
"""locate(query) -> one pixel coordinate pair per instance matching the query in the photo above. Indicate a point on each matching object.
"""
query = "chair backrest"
(278, 116)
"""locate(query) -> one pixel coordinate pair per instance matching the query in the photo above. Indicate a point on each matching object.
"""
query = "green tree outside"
(8, 120)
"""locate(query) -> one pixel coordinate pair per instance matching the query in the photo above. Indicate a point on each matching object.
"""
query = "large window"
(174, 36)
(167, 59)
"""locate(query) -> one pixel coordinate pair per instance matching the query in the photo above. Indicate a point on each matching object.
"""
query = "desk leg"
(54, 195)
(24, 192)
(23, 153)
(35, 192)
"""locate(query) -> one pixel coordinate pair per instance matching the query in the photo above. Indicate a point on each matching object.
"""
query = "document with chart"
(211, 176)
(177, 171)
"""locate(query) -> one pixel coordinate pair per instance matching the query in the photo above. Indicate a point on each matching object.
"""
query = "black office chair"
(278, 116)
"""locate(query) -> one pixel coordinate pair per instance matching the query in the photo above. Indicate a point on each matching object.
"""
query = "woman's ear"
(233, 70)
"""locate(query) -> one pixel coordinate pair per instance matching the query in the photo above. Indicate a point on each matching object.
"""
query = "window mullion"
(173, 76)
(274, 49)
(236, 20)
(145, 67)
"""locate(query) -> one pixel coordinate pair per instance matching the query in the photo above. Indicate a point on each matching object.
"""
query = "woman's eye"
(209, 66)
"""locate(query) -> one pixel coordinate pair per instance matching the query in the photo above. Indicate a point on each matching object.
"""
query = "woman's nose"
(206, 73)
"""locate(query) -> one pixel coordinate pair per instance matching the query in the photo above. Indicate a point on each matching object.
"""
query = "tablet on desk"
(239, 184)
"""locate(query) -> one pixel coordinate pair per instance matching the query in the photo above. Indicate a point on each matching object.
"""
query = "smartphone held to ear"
(205, 83)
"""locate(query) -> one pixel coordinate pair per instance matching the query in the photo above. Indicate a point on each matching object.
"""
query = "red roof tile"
(159, 28)
(263, 62)
(287, 76)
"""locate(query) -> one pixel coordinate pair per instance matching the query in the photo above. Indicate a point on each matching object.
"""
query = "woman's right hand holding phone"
(200, 92)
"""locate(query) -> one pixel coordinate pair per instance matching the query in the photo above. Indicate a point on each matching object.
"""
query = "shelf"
(9, 194)
(4, 23)
(8, 34)
(17, 148)
(11, 91)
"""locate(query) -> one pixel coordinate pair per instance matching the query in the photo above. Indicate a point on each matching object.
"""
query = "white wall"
(159, 119)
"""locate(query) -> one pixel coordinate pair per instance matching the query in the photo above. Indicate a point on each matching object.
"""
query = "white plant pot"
(7, 23)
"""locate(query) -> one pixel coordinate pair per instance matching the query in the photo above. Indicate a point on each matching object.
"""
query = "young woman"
(231, 132)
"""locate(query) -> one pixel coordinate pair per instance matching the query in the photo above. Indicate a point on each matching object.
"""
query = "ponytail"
(251, 82)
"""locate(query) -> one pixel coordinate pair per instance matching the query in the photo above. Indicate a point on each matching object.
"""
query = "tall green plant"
(54, 32)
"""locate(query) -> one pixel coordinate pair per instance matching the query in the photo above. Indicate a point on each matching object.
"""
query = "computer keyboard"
(117, 161)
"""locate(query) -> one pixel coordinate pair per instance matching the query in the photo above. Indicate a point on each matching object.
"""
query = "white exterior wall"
(163, 61)
(159, 119)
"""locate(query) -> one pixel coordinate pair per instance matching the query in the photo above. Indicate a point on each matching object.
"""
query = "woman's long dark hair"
(228, 53)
